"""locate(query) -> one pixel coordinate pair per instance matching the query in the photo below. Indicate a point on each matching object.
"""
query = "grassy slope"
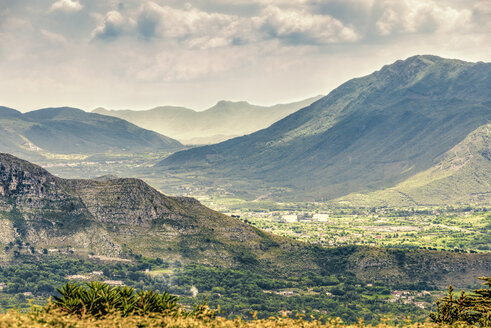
(370, 133)
(462, 176)
(16, 319)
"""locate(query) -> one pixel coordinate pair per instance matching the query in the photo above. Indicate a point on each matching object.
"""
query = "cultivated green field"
(443, 228)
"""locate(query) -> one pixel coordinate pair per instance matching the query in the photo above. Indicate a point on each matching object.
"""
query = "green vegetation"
(122, 232)
(100, 305)
(99, 299)
(243, 292)
(473, 308)
(461, 229)
(236, 292)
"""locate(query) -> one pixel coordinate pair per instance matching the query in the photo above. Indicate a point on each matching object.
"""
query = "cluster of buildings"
(286, 217)
(317, 217)
(406, 297)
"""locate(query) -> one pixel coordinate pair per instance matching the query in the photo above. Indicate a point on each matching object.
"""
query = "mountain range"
(116, 217)
(68, 130)
(225, 120)
(417, 124)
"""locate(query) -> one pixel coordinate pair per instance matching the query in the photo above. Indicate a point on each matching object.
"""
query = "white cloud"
(481, 13)
(258, 50)
(300, 26)
(195, 28)
(66, 6)
(113, 25)
(421, 16)
(190, 25)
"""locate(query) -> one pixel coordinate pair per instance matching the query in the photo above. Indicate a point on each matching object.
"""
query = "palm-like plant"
(98, 299)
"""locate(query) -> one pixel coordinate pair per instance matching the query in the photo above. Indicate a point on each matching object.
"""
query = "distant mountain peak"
(68, 130)
(227, 103)
(224, 120)
(419, 63)
(52, 112)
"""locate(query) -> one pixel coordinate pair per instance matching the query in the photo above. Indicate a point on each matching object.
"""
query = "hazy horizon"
(164, 105)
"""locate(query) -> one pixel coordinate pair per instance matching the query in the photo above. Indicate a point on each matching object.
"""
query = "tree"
(473, 308)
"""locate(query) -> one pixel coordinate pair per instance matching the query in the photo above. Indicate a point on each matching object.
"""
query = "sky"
(137, 54)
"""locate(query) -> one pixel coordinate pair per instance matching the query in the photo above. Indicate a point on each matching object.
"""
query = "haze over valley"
(225, 120)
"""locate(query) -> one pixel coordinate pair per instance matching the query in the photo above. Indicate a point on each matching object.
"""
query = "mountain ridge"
(67, 130)
(370, 133)
(220, 122)
(459, 177)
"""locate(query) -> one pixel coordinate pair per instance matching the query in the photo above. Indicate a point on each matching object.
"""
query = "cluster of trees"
(472, 308)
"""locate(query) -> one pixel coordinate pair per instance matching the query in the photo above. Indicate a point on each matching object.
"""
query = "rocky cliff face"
(25, 184)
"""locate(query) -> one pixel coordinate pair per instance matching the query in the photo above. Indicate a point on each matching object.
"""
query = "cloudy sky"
(140, 54)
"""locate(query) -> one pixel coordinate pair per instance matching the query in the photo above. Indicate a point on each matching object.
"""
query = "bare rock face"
(128, 201)
(27, 184)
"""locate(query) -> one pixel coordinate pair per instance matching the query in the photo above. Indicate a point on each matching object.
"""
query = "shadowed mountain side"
(72, 131)
(370, 133)
(116, 217)
(225, 120)
(462, 176)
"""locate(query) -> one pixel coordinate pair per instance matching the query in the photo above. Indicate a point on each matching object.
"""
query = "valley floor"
(458, 229)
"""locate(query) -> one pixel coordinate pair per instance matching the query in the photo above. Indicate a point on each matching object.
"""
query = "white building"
(289, 218)
(320, 217)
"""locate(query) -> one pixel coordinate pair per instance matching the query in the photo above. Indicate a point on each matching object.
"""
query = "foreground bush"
(98, 299)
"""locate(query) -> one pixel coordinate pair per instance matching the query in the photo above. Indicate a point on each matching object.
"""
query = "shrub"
(473, 308)
(98, 299)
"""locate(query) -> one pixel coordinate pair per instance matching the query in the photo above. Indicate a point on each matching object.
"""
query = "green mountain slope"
(462, 176)
(370, 133)
(223, 121)
(116, 217)
(72, 131)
